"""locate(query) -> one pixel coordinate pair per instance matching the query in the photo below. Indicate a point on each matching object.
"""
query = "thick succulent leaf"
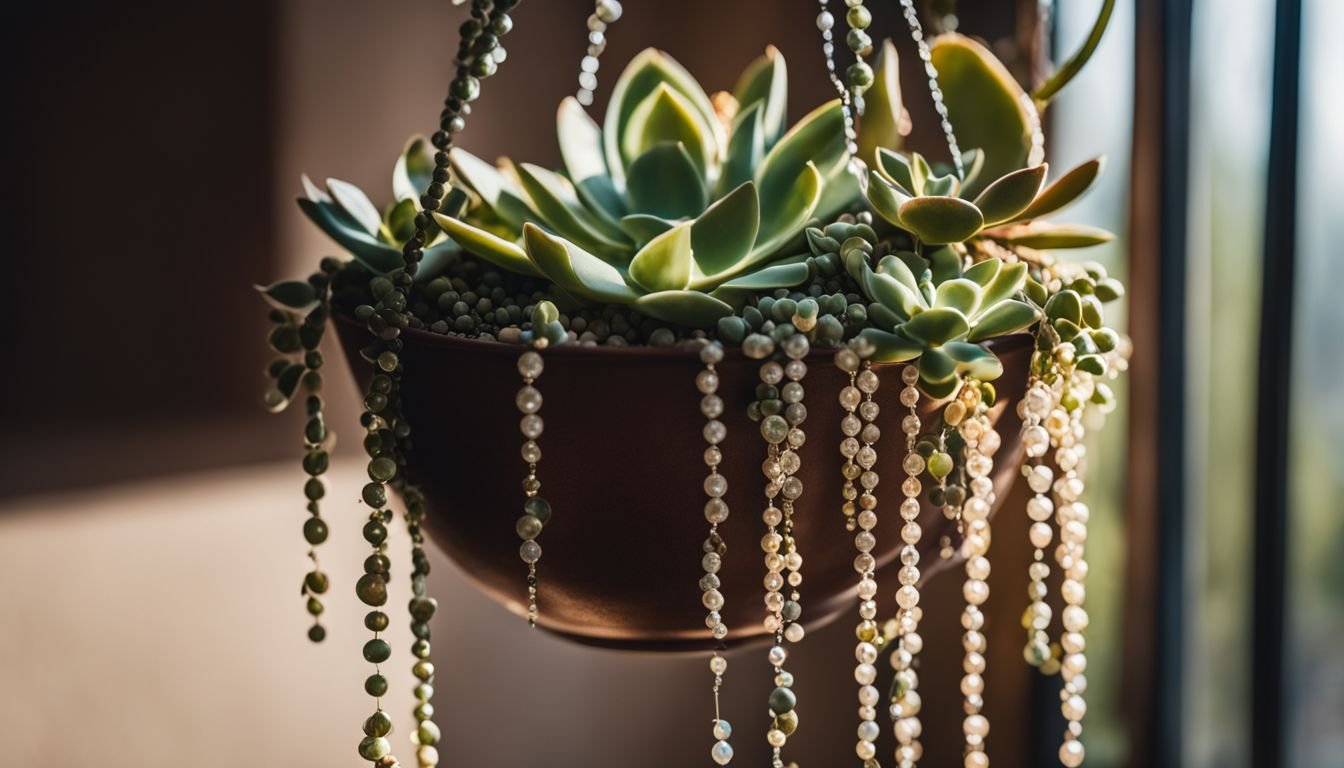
(972, 166)
(1010, 195)
(555, 199)
(399, 221)
(1065, 305)
(886, 198)
(973, 360)
(689, 308)
(1010, 279)
(368, 250)
(313, 192)
(581, 150)
(1064, 190)
(765, 83)
(936, 326)
(723, 235)
(642, 227)
(289, 295)
(946, 185)
(665, 263)
(881, 317)
(665, 182)
(960, 294)
(890, 347)
(736, 291)
(664, 117)
(642, 76)
(413, 171)
(985, 105)
(746, 148)
(883, 111)
(1003, 318)
(896, 267)
(920, 173)
(500, 193)
(786, 207)
(984, 272)
(355, 203)
(892, 294)
(817, 140)
(937, 367)
(575, 270)
(944, 265)
(1043, 236)
(895, 168)
(940, 220)
(496, 250)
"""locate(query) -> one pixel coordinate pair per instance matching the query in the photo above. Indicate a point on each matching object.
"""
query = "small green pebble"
(379, 723)
(314, 531)
(377, 650)
(374, 748)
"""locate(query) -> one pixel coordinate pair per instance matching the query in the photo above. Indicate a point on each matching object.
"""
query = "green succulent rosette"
(677, 204)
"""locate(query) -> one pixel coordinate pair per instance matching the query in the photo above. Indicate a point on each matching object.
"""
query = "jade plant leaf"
(665, 182)
(985, 103)
(367, 249)
(575, 270)
(817, 141)
(1003, 318)
(960, 294)
(891, 347)
(497, 191)
(893, 294)
(940, 220)
(581, 150)
(895, 168)
(786, 209)
(973, 360)
(1006, 198)
(736, 291)
(936, 326)
(746, 148)
(665, 263)
(1008, 280)
(1064, 190)
(723, 235)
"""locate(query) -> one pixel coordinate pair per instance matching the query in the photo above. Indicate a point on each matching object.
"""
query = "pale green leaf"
(689, 308)
(936, 326)
(554, 198)
(485, 245)
(649, 69)
(1005, 317)
(355, 203)
(665, 182)
(940, 220)
(575, 270)
(413, 172)
(1007, 197)
(960, 294)
(883, 113)
(1063, 191)
(665, 263)
(890, 347)
(723, 235)
(765, 84)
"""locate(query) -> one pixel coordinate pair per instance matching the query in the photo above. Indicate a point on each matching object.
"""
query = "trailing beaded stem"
(536, 510)
(784, 436)
(1066, 433)
(858, 77)
(905, 699)
(857, 400)
(716, 511)
(605, 13)
(981, 443)
(1033, 408)
(935, 90)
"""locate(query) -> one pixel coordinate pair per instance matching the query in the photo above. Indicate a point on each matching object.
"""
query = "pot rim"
(639, 352)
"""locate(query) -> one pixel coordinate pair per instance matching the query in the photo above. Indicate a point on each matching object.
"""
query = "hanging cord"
(935, 90)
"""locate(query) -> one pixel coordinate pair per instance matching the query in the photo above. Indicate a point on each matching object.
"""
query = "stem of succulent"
(1069, 69)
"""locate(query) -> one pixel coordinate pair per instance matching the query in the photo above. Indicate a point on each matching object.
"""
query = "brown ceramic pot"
(622, 467)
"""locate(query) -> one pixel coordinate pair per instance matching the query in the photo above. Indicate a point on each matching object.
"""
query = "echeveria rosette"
(678, 204)
(375, 238)
(932, 311)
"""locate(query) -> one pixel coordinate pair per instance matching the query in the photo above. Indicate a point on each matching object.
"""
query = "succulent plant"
(375, 238)
(678, 204)
(1003, 194)
(930, 309)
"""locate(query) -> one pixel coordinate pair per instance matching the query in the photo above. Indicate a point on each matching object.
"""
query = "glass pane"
(1314, 668)
(1093, 116)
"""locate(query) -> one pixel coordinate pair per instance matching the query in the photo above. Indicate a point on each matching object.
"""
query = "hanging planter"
(709, 311)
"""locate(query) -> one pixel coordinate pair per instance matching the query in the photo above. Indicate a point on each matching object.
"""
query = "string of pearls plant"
(905, 702)
(716, 512)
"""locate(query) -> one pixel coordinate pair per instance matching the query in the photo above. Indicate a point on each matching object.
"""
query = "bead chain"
(936, 91)
(536, 510)
(316, 460)
(981, 441)
(905, 700)
(1066, 431)
(865, 652)
(716, 511)
(605, 13)
(780, 468)
(422, 609)
(478, 56)
(1035, 405)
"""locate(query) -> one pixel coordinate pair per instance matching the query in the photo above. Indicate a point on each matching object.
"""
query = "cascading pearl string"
(905, 699)
(536, 510)
(605, 13)
(716, 512)
(935, 90)
(981, 442)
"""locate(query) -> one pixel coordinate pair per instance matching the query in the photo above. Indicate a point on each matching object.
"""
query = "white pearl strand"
(858, 397)
(781, 552)
(1066, 433)
(529, 404)
(605, 13)
(1033, 409)
(716, 511)
(905, 700)
(826, 24)
(936, 91)
(981, 441)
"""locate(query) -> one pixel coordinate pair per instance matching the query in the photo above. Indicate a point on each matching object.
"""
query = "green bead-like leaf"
(1065, 305)
(723, 235)
(497, 251)
(689, 308)
(890, 347)
(940, 220)
(960, 294)
(575, 270)
(936, 326)
(665, 182)
(1092, 314)
(665, 263)
(1109, 289)
(413, 171)
(545, 312)
(1003, 318)
(985, 103)
(1064, 190)
(289, 295)
(1010, 195)
(883, 111)
(1093, 364)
